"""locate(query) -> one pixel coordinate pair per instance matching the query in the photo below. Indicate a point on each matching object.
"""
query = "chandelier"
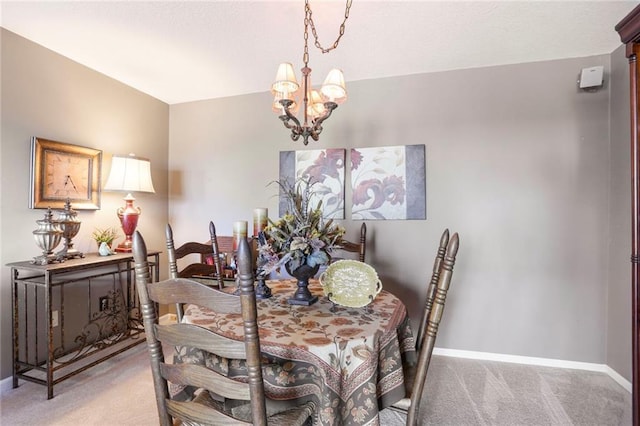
(317, 105)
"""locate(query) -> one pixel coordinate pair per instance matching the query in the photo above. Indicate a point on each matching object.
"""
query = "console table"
(106, 321)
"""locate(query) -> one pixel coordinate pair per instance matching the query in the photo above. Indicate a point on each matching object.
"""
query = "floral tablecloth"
(347, 360)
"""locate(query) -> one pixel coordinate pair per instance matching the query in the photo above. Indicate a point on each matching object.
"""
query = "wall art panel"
(388, 183)
(324, 168)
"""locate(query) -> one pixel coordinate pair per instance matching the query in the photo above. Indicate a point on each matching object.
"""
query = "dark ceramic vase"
(303, 274)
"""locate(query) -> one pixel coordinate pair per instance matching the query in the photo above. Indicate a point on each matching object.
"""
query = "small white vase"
(104, 249)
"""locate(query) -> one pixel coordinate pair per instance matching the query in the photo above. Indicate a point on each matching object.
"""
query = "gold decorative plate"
(350, 283)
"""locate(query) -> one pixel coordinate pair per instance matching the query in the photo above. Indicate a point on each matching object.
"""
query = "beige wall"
(47, 95)
(517, 163)
(619, 289)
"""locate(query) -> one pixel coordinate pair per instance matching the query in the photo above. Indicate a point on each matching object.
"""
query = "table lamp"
(129, 174)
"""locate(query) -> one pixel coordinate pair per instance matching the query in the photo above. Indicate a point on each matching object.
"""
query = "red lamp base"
(124, 247)
(128, 216)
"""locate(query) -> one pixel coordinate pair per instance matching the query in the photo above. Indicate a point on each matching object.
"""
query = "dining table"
(349, 361)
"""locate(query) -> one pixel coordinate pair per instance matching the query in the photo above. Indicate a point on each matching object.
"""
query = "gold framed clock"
(59, 171)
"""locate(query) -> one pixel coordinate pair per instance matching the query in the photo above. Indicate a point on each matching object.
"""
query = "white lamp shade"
(315, 107)
(285, 79)
(130, 174)
(333, 87)
(277, 106)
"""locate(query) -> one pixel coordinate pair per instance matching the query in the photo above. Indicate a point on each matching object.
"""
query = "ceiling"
(193, 50)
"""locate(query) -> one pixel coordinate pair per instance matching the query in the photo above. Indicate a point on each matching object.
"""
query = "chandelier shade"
(333, 87)
(286, 82)
(315, 107)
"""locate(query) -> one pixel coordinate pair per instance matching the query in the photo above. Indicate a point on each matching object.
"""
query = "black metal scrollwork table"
(112, 322)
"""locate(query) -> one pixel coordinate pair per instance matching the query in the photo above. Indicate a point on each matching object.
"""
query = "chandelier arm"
(287, 118)
(296, 131)
(315, 131)
(286, 122)
(286, 105)
(329, 107)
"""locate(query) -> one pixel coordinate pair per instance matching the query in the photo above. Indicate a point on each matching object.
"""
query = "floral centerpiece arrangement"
(301, 240)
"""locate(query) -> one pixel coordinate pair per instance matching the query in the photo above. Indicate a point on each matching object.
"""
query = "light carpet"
(458, 392)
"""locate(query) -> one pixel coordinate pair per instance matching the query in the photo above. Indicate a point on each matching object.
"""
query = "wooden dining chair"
(200, 268)
(222, 244)
(360, 247)
(431, 289)
(206, 251)
(204, 409)
(415, 377)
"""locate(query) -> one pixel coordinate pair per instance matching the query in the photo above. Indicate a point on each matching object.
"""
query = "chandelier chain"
(308, 21)
(305, 55)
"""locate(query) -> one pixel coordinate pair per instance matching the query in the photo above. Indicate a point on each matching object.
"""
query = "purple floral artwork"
(388, 183)
(325, 169)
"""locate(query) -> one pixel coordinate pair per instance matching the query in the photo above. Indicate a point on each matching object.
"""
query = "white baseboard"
(544, 362)
(618, 378)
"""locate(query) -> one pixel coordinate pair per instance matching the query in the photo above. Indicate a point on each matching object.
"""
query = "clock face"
(61, 172)
(66, 176)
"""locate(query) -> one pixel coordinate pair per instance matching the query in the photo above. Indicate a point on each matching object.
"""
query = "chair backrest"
(431, 289)
(433, 323)
(215, 255)
(202, 268)
(360, 247)
(222, 244)
(183, 290)
(205, 250)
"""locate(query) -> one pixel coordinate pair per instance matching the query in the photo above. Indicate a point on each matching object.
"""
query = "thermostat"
(591, 77)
